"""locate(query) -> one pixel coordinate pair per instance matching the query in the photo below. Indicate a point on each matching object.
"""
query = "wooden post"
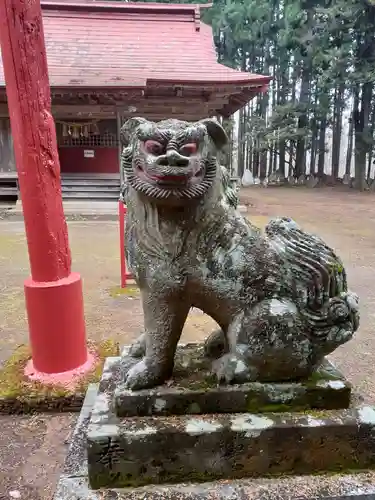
(121, 213)
(121, 225)
(125, 276)
(118, 128)
(54, 299)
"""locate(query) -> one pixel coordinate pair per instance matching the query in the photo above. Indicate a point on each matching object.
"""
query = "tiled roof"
(115, 44)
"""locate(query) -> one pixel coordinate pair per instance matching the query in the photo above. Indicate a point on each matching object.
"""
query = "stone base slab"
(148, 450)
(193, 390)
(344, 487)
(74, 485)
(137, 451)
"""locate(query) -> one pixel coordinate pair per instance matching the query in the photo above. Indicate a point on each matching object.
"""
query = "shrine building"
(109, 61)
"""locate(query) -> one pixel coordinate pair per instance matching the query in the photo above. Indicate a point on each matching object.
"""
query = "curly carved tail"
(319, 280)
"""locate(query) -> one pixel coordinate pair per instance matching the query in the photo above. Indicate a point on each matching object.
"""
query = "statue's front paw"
(214, 345)
(143, 375)
(352, 301)
(231, 369)
(138, 348)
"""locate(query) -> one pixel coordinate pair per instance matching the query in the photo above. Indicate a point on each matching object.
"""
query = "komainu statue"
(280, 298)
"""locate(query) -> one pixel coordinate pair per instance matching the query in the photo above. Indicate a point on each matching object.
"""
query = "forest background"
(318, 117)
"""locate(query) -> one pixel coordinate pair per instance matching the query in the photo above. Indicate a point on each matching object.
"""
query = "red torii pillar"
(54, 299)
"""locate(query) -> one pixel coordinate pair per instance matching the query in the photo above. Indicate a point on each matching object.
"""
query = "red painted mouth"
(170, 178)
(173, 180)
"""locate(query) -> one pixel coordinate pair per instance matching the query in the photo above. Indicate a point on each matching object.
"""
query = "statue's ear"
(128, 129)
(216, 132)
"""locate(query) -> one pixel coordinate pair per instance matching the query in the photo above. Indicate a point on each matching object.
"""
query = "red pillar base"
(56, 324)
(69, 379)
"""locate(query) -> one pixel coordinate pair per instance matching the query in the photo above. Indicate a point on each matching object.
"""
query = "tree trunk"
(241, 126)
(361, 130)
(337, 129)
(290, 146)
(272, 155)
(365, 51)
(250, 142)
(282, 151)
(244, 117)
(294, 81)
(274, 165)
(349, 150)
(371, 144)
(284, 84)
(240, 158)
(369, 163)
(303, 121)
(256, 158)
(314, 144)
(264, 101)
(263, 164)
(322, 146)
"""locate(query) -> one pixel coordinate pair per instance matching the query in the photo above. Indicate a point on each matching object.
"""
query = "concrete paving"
(89, 208)
(33, 448)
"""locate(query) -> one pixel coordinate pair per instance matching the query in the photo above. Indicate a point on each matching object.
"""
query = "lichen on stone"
(251, 425)
(333, 384)
(197, 426)
(97, 431)
(281, 296)
(102, 403)
(159, 404)
(366, 415)
(140, 432)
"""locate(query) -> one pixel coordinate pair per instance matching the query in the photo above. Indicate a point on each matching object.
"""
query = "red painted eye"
(154, 147)
(189, 149)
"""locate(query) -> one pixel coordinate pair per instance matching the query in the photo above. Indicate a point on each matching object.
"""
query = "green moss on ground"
(20, 395)
(128, 291)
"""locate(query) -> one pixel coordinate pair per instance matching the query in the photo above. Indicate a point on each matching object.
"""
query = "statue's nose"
(175, 159)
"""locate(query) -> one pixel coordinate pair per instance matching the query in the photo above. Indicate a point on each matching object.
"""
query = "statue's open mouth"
(172, 176)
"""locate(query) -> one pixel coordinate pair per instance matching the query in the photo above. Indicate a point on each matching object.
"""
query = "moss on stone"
(194, 408)
(193, 378)
(127, 480)
(321, 414)
(276, 408)
(320, 375)
(193, 371)
(196, 383)
(20, 395)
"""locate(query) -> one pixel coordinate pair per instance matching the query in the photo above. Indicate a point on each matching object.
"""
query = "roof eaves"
(243, 79)
(97, 88)
(116, 6)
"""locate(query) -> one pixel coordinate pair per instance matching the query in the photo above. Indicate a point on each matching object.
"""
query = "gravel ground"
(32, 449)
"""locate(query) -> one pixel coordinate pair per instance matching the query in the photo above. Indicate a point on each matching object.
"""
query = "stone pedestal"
(194, 390)
(189, 435)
